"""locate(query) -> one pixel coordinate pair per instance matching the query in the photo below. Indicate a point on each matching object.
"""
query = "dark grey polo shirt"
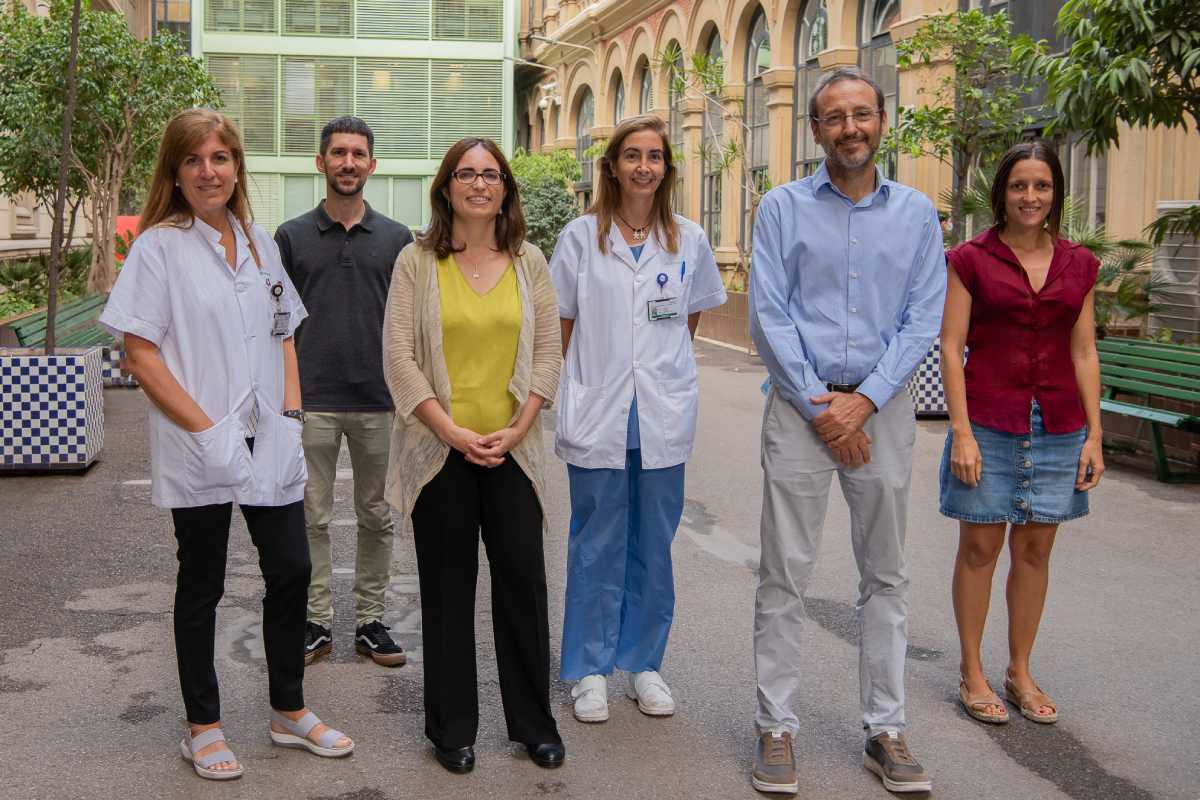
(343, 278)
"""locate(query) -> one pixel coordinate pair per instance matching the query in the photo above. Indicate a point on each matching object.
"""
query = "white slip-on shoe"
(652, 694)
(591, 699)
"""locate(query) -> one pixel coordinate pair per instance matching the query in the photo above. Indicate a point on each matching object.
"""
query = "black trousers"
(462, 501)
(203, 536)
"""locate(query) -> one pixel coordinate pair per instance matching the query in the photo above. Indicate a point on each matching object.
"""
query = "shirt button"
(1020, 504)
(637, 364)
(1024, 483)
(853, 274)
(853, 240)
(241, 287)
(1026, 443)
(1027, 464)
(639, 279)
(853, 310)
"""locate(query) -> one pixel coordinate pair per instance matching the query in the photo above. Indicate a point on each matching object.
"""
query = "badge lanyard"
(664, 307)
(279, 326)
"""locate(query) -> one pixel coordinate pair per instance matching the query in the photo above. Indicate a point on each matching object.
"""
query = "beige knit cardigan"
(414, 366)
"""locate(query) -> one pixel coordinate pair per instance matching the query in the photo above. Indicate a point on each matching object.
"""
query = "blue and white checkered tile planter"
(112, 374)
(925, 386)
(51, 408)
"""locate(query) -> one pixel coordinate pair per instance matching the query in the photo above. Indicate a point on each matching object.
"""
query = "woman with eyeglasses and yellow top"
(471, 354)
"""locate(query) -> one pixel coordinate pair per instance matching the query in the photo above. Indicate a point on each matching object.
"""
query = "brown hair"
(1040, 150)
(608, 190)
(510, 222)
(165, 203)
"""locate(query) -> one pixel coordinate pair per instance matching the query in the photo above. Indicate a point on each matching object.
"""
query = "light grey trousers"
(797, 471)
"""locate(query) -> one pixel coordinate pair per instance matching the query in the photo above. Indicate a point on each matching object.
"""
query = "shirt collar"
(325, 222)
(882, 184)
(213, 235)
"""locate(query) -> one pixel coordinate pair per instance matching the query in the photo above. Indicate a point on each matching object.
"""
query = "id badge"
(662, 308)
(280, 325)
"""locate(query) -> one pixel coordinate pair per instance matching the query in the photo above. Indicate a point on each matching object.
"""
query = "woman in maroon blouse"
(1024, 442)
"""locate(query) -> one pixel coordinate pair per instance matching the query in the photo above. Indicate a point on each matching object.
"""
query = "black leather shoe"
(547, 755)
(459, 760)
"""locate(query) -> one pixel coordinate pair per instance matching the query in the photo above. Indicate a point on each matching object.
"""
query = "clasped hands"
(486, 451)
(840, 426)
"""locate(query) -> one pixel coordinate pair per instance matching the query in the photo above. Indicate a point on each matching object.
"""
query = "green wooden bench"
(75, 325)
(1138, 371)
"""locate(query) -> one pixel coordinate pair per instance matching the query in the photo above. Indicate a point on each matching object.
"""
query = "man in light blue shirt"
(846, 294)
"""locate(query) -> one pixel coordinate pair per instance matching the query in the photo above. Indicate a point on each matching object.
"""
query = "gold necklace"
(639, 234)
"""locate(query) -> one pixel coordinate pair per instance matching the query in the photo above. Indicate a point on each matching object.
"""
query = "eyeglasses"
(862, 116)
(492, 177)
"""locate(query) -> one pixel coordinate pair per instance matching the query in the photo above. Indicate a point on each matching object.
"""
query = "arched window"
(619, 100)
(645, 88)
(812, 36)
(712, 148)
(878, 59)
(539, 132)
(584, 120)
(674, 67)
(758, 61)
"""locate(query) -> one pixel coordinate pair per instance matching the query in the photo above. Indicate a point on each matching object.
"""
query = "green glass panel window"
(389, 19)
(249, 89)
(472, 20)
(393, 97)
(264, 193)
(406, 201)
(246, 16)
(318, 17)
(315, 90)
(299, 195)
(466, 100)
(377, 193)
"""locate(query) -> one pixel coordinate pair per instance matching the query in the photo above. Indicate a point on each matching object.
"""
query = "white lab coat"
(615, 347)
(212, 326)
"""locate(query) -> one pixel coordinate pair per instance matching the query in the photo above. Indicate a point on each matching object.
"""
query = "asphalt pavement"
(90, 707)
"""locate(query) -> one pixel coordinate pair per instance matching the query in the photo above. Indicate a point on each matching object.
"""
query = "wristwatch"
(296, 414)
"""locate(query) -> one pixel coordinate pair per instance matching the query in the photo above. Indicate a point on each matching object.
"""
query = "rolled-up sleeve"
(771, 327)
(547, 333)
(708, 290)
(408, 385)
(139, 302)
(920, 321)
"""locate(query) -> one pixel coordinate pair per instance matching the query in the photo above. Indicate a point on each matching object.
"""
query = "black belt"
(843, 388)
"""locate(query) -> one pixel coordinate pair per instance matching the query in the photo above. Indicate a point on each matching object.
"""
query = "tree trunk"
(60, 196)
(102, 272)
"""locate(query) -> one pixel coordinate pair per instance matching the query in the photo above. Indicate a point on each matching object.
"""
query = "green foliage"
(26, 281)
(558, 165)
(972, 113)
(127, 90)
(1135, 62)
(548, 206)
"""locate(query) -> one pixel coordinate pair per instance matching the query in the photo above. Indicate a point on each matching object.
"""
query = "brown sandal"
(1030, 701)
(977, 706)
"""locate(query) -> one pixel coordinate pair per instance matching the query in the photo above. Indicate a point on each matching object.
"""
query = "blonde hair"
(608, 190)
(165, 203)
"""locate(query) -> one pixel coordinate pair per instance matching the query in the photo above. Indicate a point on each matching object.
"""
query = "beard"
(332, 182)
(855, 161)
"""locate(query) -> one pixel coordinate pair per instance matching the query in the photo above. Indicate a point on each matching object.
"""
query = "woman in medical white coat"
(632, 279)
(207, 315)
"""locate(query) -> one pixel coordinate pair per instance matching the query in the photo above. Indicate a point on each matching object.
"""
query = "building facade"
(601, 60)
(422, 73)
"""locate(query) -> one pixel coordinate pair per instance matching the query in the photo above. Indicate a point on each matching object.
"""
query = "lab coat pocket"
(679, 404)
(287, 456)
(581, 415)
(217, 457)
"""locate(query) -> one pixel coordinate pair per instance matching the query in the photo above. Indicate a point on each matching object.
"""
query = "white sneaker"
(591, 699)
(652, 694)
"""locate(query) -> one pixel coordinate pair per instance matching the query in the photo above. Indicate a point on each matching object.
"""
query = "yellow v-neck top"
(479, 342)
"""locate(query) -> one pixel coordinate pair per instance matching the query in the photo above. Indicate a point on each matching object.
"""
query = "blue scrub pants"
(620, 588)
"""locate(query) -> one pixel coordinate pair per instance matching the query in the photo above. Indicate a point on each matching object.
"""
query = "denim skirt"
(1026, 477)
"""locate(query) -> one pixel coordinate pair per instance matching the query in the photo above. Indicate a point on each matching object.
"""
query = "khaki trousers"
(368, 436)
(797, 471)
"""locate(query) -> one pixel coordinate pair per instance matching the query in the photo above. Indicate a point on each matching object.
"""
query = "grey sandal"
(299, 736)
(203, 764)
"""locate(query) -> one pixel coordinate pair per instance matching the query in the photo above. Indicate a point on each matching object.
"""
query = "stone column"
(693, 125)
(780, 83)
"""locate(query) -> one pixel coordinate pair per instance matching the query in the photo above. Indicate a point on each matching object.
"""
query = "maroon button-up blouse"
(1020, 340)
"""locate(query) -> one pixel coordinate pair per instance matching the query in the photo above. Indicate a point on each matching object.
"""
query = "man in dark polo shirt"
(340, 257)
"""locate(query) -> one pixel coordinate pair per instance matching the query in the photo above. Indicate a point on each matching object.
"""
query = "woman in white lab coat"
(632, 279)
(207, 315)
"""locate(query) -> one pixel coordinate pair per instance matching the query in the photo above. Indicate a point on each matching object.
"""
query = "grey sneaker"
(886, 754)
(774, 764)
